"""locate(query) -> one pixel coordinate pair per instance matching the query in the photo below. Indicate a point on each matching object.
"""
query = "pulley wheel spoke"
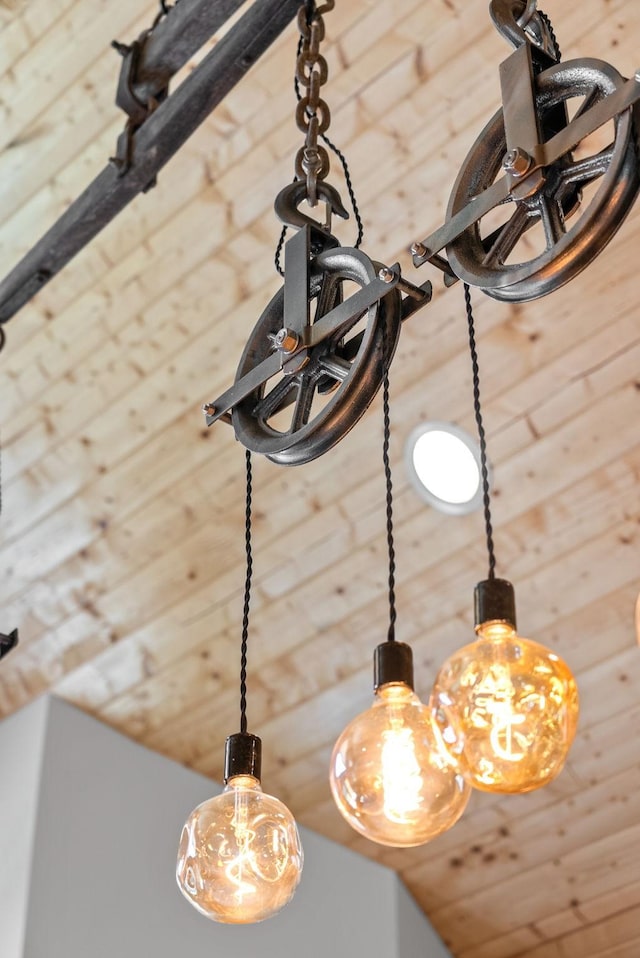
(335, 366)
(552, 220)
(304, 401)
(507, 237)
(279, 397)
(589, 168)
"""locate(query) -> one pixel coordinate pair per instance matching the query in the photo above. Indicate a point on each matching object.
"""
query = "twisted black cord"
(278, 253)
(386, 360)
(247, 601)
(556, 46)
(481, 434)
(348, 181)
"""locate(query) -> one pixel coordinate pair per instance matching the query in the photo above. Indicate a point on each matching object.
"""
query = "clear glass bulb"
(507, 709)
(390, 777)
(240, 856)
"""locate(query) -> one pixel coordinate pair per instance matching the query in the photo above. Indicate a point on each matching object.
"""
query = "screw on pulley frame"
(418, 249)
(388, 274)
(636, 76)
(287, 340)
(517, 162)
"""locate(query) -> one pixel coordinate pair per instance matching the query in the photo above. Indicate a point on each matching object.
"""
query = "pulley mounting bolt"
(386, 275)
(517, 162)
(287, 340)
(209, 409)
(636, 76)
(418, 249)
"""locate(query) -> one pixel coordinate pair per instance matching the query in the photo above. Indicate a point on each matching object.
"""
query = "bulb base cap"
(392, 662)
(494, 600)
(242, 756)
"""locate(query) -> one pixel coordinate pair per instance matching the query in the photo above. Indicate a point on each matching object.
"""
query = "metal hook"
(288, 199)
(519, 22)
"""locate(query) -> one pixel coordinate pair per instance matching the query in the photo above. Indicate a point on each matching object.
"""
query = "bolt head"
(636, 76)
(418, 249)
(386, 275)
(209, 409)
(286, 340)
(516, 162)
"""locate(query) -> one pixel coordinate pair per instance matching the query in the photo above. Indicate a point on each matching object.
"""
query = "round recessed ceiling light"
(443, 462)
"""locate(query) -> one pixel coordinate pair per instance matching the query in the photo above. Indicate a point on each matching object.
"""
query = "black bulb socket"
(242, 756)
(494, 600)
(392, 662)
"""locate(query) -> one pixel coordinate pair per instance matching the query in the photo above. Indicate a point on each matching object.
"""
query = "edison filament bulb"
(507, 707)
(240, 856)
(390, 776)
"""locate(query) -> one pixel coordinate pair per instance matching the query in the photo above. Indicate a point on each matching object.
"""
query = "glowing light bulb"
(240, 856)
(507, 707)
(390, 776)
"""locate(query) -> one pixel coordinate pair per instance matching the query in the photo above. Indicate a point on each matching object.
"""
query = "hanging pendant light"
(509, 704)
(240, 856)
(390, 776)
(507, 707)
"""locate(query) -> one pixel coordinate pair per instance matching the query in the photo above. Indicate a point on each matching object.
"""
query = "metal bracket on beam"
(163, 132)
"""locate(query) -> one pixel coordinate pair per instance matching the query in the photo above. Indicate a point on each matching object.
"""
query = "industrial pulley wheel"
(306, 408)
(532, 244)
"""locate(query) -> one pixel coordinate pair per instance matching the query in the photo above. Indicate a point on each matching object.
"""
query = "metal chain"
(312, 112)
(386, 362)
(247, 598)
(332, 146)
(481, 434)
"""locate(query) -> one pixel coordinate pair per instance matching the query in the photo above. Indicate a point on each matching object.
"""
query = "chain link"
(312, 112)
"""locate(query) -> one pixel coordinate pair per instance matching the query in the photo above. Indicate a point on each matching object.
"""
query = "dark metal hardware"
(137, 110)
(8, 642)
(160, 136)
(289, 199)
(524, 157)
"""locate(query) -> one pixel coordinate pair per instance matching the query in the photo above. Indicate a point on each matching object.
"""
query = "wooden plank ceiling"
(121, 557)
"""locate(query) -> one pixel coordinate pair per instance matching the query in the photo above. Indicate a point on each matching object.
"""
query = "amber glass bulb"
(507, 708)
(240, 856)
(390, 777)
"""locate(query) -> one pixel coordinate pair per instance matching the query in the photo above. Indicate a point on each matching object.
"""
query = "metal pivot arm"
(153, 145)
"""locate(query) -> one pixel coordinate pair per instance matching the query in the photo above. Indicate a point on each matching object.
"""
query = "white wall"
(21, 749)
(415, 936)
(109, 818)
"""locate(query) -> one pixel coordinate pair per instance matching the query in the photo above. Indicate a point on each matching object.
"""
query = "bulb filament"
(401, 777)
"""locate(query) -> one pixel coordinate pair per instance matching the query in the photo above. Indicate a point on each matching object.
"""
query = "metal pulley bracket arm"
(291, 344)
(543, 155)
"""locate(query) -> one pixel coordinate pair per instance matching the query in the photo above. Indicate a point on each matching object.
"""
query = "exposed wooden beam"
(156, 141)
